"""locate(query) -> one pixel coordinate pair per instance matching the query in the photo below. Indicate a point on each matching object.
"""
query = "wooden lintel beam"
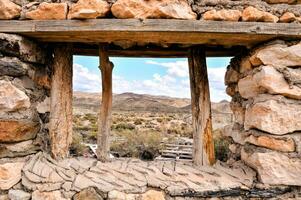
(153, 31)
(92, 50)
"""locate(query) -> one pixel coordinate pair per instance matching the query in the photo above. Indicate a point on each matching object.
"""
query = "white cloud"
(85, 80)
(177, 68)
(174, 83)
(180, 70)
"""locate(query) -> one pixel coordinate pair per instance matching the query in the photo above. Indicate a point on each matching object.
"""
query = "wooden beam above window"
(153, 31)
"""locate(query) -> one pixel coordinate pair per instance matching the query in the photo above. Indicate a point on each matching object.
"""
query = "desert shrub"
(138, 144)
(160, 120)
(92, 135)
(77, 148)
(91, 117)
(138, 121)
(221, 148)
(124, 126)
(180, 130)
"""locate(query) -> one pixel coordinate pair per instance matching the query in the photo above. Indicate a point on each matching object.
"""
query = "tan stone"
(16, 131)
(268, 17)
(11, 98)
(281, 55)
(116, 195)
(287, 17)
(255, 61)
(280, 1)
(281, 144)
(238, 112)
(89, 9)
(9, 10)
(222, 15)
(153, 195)
(49, 11)
(54, 195)
(274, 168)
(18, 195)
(10, 174)
(174, 9)
(44, 106)
(270, 80)
(251, 14)
(248, 88)
(273, 114)
(237, 135)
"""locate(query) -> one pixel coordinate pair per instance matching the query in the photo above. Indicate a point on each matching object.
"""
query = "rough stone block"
(174, 9)
(274, 168)
(273, 114)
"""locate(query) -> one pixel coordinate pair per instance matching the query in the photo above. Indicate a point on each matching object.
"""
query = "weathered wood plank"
(153, 31)
(154, 52)
(105, 114)
(203, 147)
(60, 126)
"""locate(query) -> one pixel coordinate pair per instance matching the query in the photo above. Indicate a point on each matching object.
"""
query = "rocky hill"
(89, 102)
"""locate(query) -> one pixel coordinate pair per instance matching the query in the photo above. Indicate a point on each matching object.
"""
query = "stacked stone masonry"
(265, 89)
(283, 11)
(24, 89)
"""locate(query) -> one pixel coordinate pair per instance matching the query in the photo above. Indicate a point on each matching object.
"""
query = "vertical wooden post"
(203, 146)
(60, 125)
(105, 115)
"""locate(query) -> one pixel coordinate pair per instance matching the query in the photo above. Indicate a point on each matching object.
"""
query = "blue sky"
(157, 76)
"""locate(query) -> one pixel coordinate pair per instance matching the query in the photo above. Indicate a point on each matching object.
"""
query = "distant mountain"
(90, 102)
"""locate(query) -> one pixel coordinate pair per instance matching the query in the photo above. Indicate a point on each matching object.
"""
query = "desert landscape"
(143, 125)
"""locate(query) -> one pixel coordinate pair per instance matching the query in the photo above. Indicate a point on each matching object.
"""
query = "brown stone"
(232, 76)
(89, 9)
(281, 144)
(270, 80)
(9, 10)
(174, 9)
(21, 47)
(88, 193)
(251, 14)
(222, 15)
(231, 90)
(11, 98)
(11, 150)
(287, 17)
(273, 114)
(245, 65)
(42, 79)
(48, 11)
(10, 174)
(15, 131)
(274, 168)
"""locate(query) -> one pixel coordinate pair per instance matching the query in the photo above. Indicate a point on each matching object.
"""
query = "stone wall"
(266, 100)
(285, 11)
(24, 91)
